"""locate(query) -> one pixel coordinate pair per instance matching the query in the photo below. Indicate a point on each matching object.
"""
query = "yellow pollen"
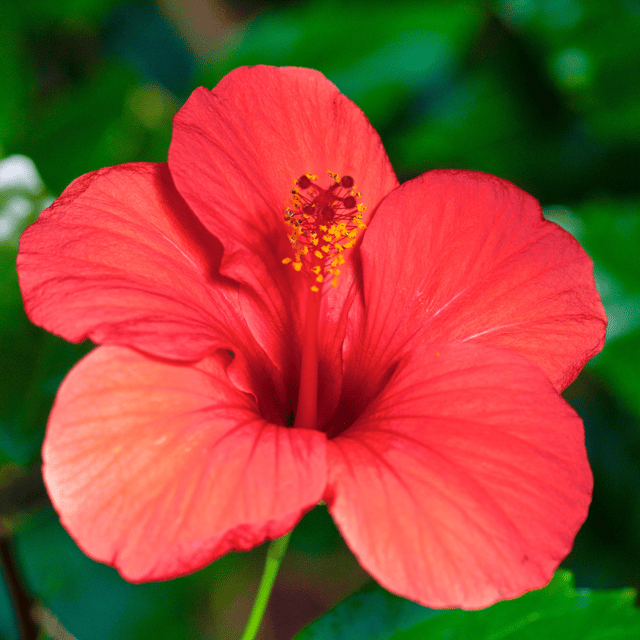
(330, 213)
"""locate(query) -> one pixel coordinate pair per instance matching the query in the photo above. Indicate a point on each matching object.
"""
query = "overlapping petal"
(238, 149)
(119, 258)
(465, 481)
(159, 468)
(462, 256)
(235, 155)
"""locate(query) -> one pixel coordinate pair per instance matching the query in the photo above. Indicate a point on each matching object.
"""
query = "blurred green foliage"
(545, 93)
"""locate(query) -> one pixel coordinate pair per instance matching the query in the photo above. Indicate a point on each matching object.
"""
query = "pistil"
(324, 224)
(307, 410)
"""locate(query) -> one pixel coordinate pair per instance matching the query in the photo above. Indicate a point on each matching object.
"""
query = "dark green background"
(545, 93)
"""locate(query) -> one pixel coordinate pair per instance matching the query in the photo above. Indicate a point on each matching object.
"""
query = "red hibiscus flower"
(282, 324)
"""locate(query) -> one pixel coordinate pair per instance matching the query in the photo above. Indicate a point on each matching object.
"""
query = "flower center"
(324, 223)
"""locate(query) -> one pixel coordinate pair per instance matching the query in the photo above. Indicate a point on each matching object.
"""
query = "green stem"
(275, 553)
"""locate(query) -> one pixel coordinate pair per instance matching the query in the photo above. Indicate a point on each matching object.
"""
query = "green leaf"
(374, 614)
(557, 611)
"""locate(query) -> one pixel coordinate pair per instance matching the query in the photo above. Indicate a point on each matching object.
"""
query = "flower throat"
(324, 223)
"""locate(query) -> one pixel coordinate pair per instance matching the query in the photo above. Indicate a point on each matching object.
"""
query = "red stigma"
(304, 182)
(324, 205)
(347, 182)
(349, 202)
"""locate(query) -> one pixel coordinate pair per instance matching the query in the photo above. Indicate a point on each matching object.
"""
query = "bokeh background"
(545, 93)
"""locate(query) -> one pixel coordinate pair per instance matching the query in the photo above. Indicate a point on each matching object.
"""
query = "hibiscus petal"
(236, 153)
(238, 149)
(465, 482)
(119, 258)
(158, 469)
(464, 256)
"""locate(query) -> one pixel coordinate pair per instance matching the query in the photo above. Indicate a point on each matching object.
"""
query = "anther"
(324, 222)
